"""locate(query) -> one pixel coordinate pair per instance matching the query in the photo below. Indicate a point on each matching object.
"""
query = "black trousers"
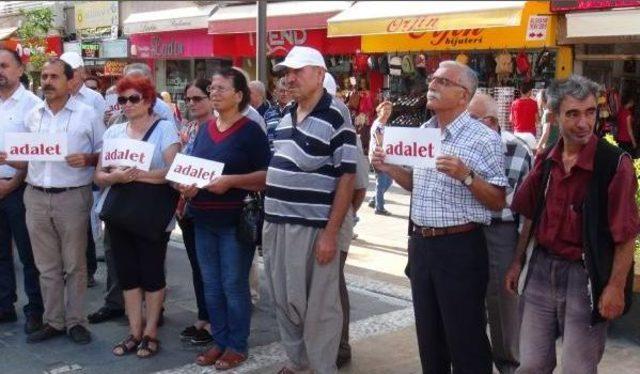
(449, 276)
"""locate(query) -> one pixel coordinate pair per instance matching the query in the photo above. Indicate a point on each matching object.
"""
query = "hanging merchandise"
(383, 63)
(407, 64)
(504, 66)
(543, 62)
(523, 66)
(504, 96)
(372, 62)
(420, 61)
(395, 66)
(462, 59)
(360, 65)
(432, 64)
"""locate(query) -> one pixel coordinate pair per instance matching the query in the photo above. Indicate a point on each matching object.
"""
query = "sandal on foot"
(209, 357)
(229, 360)
(128, 345)
(148, 347)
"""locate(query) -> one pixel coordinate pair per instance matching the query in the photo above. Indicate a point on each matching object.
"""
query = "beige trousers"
(57, 225)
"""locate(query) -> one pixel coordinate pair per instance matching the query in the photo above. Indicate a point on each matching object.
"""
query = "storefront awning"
(400, 17)
(290, 15)
(168, 20)
(5, 33)
(602, 24)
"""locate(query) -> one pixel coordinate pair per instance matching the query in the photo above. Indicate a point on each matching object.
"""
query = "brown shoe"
(209, 357)
(45, 333)
(229, 360)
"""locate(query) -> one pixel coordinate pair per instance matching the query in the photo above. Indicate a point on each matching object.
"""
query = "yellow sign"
(527, 35)
(95, 14)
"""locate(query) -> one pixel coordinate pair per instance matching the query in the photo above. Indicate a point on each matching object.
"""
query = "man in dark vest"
(575, 253)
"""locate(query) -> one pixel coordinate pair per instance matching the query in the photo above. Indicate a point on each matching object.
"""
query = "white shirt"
(92, 98)
(12, 116)
(84, 130)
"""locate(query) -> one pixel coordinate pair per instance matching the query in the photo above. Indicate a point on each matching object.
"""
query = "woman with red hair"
(139, 258)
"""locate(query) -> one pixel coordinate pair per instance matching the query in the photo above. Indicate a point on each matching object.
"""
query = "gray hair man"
(447, 250)
(309, 191)
(574, 256)
(502, 237)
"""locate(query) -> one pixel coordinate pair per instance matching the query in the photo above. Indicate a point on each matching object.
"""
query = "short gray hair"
(489, 103)
(577, 86)
(259, 86)
(468, 76)
(139, 68)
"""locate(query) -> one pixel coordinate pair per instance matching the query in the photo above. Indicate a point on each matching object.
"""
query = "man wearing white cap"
(309, 190)
(87, 96)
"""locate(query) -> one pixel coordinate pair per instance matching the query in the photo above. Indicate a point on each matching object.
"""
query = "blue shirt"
(243, 148)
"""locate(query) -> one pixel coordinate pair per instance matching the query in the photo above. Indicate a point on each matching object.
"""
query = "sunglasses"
(133, 99)
(194, 99)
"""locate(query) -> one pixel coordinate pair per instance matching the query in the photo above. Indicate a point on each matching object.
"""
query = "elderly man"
(579, 206)
(58, 200)
(309, 191)
(447, 250)
(15, 103)
(502, 237)
(85, 95)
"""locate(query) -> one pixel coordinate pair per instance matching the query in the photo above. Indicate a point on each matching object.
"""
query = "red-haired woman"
(140, 260)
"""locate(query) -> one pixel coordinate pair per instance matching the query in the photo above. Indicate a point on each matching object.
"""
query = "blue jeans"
(383, 182)
(224, 265)
(12, 224)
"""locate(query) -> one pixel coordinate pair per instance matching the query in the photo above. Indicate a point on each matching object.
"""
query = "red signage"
(568, 5)
(174, 44)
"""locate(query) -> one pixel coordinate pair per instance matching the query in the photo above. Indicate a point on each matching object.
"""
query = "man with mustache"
(15, 102)
(579, 204)
(449, 205)
(58, 199)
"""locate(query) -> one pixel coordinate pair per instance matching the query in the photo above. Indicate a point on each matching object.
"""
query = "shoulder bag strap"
(150, 131)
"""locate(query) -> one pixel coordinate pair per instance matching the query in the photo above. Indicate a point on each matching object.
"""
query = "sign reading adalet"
(414, 147)
(27, 146)
(189, 170)
(128, 153)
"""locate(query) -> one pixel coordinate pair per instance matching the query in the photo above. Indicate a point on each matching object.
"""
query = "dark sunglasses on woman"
(133, 99)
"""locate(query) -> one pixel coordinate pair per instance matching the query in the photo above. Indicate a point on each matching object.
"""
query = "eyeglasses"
(133, 99)
(194, 99)
(213, 89)
(445, 82)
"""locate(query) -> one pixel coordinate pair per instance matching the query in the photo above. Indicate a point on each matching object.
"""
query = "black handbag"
(249, 229)
(144, 209)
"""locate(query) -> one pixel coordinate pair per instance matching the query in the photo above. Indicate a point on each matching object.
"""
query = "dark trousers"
(449, 276)
(113, 299)
(189, 238)
(92, 262)
(13, 225)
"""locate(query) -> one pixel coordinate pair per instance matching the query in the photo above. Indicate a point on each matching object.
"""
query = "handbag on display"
(523, 66)
(144, 209)
(407, 64)
(395, 66)
(249, 229)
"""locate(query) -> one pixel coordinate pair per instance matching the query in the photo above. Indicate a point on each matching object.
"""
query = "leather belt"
(430, 232)
(54, 189)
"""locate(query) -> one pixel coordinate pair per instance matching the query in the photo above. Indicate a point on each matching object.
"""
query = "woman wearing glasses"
(200, 111)
(140, 260)
(242, 146)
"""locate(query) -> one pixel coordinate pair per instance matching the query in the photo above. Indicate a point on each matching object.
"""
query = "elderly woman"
(139, 259)
(196, 96)
(242, 146)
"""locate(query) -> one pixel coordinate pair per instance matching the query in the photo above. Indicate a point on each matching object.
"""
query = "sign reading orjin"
(26, 146)
(128, 153)
(411, 147)
(190, 170)
(412, 24)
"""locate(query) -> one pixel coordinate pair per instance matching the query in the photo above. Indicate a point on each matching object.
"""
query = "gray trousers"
(344, 350)
(58, 225)
(502, 307)
(114, 298)
(305, 295)
(556, 304)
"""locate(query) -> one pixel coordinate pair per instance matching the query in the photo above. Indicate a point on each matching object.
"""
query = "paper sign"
(28, 146)
(411, 146)
(190, 170)
(112, 105)
(127, 152)
(537, 27)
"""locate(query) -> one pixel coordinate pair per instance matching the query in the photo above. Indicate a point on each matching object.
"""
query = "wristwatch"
(468, 180)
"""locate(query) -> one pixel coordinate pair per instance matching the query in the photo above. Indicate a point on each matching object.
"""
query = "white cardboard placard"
(127, 152)
(189, 170)
(414, 147)
(112, 105)
(30, 146)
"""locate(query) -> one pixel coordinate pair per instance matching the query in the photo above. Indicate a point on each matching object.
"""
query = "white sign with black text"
(127, 152)
(189, 170)
(28, 146)
(414, 147)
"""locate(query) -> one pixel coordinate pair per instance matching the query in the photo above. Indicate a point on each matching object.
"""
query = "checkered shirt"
(517, 164)
(441, 201)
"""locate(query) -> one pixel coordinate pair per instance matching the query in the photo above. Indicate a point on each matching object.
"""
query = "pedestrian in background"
(626, 134)
(383, 180)
(524, 115)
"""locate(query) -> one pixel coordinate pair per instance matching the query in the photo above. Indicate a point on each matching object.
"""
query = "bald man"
(502, 236)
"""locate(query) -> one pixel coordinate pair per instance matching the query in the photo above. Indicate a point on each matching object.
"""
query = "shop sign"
(412, 24)
(537, 27)
(96, 19)
(168, 45)
(568, 5)
(114, 48)
(90, 50)
(114, 67)
(283, 41)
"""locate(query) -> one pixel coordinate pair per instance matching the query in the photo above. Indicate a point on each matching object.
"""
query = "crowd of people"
(541, 240)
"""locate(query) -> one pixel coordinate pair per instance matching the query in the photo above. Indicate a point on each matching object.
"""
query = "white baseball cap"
(330, 84)
(299, 57)
(73, 59)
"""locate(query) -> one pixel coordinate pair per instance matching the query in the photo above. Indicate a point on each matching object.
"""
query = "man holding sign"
(58, 200)
(447, 250)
